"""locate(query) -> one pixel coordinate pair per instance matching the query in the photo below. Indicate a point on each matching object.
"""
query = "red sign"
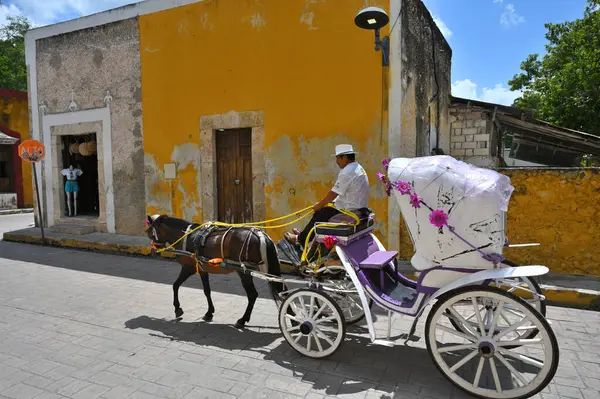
(32, 151)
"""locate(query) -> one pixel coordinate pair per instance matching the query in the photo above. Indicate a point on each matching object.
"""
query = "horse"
(249, 246)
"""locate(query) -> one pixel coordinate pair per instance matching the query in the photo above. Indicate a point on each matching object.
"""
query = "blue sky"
(489, 38)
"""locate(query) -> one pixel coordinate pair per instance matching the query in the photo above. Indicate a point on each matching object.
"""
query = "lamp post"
(375, 18)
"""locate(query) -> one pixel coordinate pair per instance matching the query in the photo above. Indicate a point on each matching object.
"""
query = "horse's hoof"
(178, 312)
(240, 324)
(207, 317)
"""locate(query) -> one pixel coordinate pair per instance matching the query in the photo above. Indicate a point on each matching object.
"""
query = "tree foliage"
(564, 86)
(13, 71)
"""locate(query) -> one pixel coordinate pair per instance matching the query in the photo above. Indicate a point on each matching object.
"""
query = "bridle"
(155, 243)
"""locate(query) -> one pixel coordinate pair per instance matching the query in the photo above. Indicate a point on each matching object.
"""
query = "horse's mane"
(180, 223)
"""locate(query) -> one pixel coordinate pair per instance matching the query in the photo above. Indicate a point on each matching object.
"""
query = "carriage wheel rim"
(314, 315)
(496, 347)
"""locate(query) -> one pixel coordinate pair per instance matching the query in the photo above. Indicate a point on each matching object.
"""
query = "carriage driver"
(350, 192)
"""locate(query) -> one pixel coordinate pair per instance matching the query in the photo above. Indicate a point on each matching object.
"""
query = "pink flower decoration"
(403, 187)
(381, 176)
(415, 200)
(386, 163)
(438, 218)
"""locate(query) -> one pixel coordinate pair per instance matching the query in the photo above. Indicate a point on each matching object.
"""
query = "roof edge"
(105, 17)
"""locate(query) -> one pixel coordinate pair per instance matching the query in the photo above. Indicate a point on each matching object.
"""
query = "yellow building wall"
(15, 116)
(305, 64)
(558, 208)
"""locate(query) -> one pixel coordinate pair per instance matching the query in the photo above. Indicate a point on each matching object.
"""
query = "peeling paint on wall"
(301, 171)
(184, 190)
(307, 18)
(257, 20)
(187, 158)
(158, 193)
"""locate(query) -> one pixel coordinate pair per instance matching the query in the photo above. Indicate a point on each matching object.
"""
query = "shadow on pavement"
(356, 367)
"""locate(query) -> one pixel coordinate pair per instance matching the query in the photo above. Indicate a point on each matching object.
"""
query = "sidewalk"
(15, 211)
(561, 290)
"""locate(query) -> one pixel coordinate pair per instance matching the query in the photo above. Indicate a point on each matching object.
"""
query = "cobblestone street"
(83, 325)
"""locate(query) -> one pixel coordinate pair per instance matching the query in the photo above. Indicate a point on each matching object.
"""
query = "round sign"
(32, 151)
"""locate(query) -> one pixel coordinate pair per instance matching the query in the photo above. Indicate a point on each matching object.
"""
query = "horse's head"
(156, 232)
(163, 230)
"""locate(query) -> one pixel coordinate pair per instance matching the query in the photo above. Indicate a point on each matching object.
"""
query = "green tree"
(13, 72)
(564, 86)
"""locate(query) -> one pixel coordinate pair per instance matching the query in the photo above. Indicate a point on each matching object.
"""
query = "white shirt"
(71, 173)
(352, 187)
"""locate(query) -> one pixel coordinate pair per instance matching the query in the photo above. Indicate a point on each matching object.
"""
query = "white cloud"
(44, 12)
(510, 17)
(443, 27)
(8, 10)
(499, 94)
(498, 1)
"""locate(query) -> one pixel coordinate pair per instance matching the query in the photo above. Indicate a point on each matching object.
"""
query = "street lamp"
(374, 18)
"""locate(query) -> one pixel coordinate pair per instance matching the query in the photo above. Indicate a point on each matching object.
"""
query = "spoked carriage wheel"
(312, 323)
(497, 363)
(350, 303)
(524, 287)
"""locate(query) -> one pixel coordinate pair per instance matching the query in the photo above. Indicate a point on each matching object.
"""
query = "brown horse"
(247, 245)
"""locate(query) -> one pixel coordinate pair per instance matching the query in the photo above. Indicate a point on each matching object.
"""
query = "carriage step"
(378, 259)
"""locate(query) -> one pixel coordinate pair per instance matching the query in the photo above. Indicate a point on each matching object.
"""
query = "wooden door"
(234, 175)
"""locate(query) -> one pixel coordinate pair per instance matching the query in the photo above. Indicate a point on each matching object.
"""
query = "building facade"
(16, 188)
(217, 110)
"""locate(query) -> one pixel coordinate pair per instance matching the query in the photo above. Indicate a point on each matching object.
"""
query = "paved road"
(15, 222)
(82, 325)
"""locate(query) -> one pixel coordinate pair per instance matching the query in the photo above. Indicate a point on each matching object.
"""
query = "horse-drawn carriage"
(455, 214)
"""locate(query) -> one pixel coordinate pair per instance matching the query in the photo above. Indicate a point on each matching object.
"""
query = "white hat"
(343, 149)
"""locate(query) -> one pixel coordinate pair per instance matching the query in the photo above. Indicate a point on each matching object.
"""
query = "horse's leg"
(206, 286)
(252, 294)
(183, 275)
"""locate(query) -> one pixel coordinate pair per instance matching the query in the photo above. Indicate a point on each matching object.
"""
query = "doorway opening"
(234, 175)
(6, 173)
(79, 151)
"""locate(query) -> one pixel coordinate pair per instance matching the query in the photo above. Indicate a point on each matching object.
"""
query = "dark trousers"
(322, 215)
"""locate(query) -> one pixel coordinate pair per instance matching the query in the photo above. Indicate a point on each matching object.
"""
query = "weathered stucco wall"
(89, 63)
(297, 64)
(557, 208)
(425, 80)
(15, 116)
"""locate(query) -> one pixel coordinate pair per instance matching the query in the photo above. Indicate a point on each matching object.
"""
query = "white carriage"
(455, 214)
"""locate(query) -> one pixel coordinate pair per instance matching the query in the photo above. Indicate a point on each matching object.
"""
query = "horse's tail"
(273, 266)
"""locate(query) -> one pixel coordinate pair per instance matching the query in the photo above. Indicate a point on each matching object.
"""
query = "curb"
(555, 296)
(102, 247)
(571, 297)
(15, 211)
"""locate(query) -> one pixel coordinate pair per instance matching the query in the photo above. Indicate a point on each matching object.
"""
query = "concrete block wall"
(469, 133)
